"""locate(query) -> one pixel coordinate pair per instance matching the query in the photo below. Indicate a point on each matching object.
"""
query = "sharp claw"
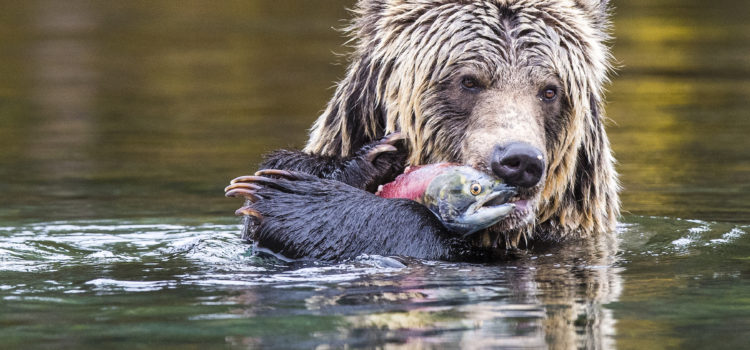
(252, 178)
(393, 137)
(377, 150)
(243, 193)
(249, 186)
(276, 172)
(250, 212)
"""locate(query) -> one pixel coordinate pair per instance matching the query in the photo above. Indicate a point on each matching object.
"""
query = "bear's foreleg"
(302, 216)
(374, 164)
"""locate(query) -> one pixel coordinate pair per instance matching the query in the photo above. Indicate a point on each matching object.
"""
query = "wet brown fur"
(410, 56)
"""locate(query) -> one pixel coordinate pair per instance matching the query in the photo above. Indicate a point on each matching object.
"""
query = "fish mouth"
(501, 197)
(488, 211)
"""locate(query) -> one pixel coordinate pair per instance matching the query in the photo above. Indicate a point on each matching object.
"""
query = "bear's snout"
(518, 164)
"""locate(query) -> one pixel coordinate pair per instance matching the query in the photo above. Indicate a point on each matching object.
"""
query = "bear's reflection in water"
(553, 299)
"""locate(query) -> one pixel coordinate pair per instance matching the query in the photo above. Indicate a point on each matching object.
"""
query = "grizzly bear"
(511, 87)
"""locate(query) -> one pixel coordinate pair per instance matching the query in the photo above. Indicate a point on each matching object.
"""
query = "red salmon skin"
(413, 182)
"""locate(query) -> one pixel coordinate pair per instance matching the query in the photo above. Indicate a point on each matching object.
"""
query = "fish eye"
(475, 188)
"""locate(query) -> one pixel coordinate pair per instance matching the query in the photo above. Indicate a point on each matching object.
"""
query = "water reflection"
(554, 300)
(551, 300)
(71, 277)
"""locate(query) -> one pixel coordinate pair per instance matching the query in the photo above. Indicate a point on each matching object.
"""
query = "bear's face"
(518, 107)
(488, 110)
(504, 101)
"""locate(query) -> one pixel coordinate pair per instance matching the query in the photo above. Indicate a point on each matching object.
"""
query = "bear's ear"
(599, 11)
(597, 6)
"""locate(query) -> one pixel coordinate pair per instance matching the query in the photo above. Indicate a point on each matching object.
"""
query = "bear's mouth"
(523, 213)
(521, 204)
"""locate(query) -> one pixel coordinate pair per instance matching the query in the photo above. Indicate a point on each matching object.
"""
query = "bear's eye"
(475, 189)
(549, 94)
(470, 83)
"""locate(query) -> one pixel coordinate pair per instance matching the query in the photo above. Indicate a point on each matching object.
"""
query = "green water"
(121, 122)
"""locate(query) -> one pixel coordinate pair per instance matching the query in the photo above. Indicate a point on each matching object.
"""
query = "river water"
(120, 124)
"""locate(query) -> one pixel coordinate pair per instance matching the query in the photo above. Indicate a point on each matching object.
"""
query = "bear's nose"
(518, 164)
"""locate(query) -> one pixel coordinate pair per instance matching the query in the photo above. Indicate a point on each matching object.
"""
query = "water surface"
(120, 124)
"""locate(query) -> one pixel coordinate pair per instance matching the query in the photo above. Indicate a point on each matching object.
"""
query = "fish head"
(468, 200)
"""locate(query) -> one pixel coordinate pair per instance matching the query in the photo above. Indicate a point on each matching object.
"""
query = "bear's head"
(510, 87)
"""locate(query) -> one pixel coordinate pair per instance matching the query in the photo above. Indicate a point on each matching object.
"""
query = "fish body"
(465, 200)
